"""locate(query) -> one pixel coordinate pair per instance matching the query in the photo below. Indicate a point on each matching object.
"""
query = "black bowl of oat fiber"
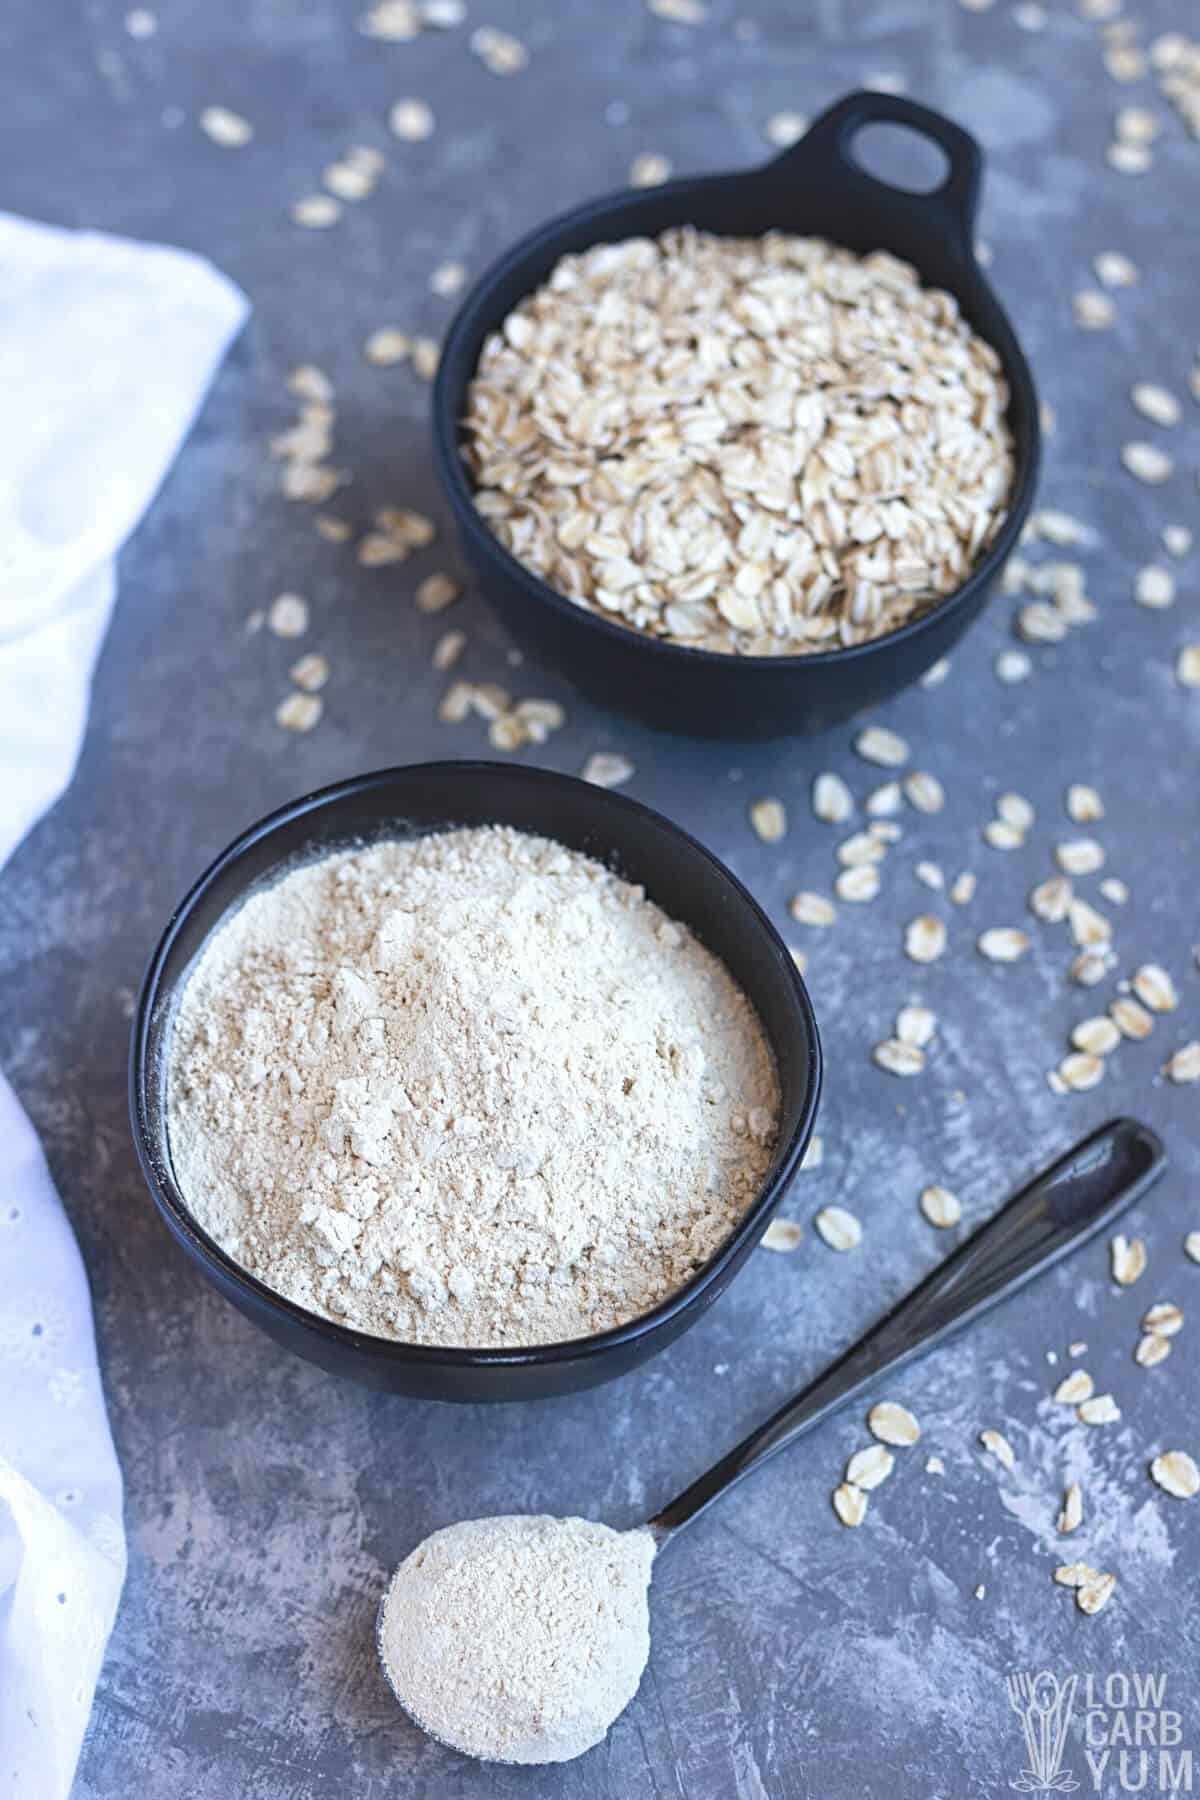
(413, 808)
(816, 189)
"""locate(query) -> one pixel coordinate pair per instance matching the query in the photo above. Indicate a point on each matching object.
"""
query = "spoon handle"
(1060, 1209)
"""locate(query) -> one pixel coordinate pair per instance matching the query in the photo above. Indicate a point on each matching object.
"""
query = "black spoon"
(1062, 1208)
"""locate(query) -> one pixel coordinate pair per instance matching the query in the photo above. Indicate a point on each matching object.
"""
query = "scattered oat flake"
(1155, 989)
(387, 346)
(1091, 1596)
(379, 548)
(1003, 836)
(411, 120)
(925, 938)
(769, 819)
(1079, 856)
(310, 383)
(228, 129)
(838, 1228)
(934, 1466)
(1114, 269)
(850, 1504)
(349, 180)
(287, 616)
(310, 672)
(879, 745)
(398, 21)
(298, 712)
(1176, 1473)
(915, 1025)
(607, 769)
(1074, 1388)
(814, 1155)
(426, 354)
(858, 883)
(335, 530)
(1093, 310)
(1156, 403)
(1152, 1348)
(1184, 1065)
(1154, 587)
(924, 791)
(499, 52)
(783, 1235)
(141, 22)
(1147, 462)
(867, 1468)
(1016, 810)
(1101, 1409)
(893, 1424)
(1114, 889)
(1129, 159)
(448, 279)
(832, 800)
(1083, 803)
(936, 673)
(1163, 1317)
(812, 909)
(650, 169)
(930, 875)
(437, 592)
(1091, 967)
(1098, 1036)
(1012, 666)
(898, 1058)
(940, 1206)
(1128, 1258)
(883, 801)
(962, 891)
(1041, 623)
(1089, 928)
(1003, 943)
(1187, 666)
(997, 1445)
(1177, 539)
(1051, 899)
(1191, 1245)
(316, 212)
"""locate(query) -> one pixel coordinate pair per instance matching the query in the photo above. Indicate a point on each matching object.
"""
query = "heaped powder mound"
(468, 1089)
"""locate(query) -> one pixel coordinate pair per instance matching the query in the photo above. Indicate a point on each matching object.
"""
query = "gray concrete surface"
(266, 1501)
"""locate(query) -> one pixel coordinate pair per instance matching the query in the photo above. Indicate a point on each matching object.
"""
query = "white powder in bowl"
(519, 1639)
(467, 1089)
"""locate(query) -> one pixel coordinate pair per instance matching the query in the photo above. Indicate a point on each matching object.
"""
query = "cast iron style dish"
(816, 188)
(678, 873)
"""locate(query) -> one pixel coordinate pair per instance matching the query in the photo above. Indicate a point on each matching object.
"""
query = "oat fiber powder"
(466, 1089)
(520, 1638)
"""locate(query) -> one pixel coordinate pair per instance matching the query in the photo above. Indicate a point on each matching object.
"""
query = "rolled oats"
(756, 446)
(893, 1424)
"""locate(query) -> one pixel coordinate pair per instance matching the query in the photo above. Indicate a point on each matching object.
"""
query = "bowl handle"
(824, 154)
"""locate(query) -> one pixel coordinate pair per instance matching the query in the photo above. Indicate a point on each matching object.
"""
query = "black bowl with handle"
(816, 188)
(684, 878)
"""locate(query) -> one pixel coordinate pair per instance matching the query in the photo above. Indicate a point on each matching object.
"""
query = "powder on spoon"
(468, 1089)
(521, 1638)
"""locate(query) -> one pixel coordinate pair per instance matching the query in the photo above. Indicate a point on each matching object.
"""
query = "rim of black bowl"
(452, 469)
(169, 1199)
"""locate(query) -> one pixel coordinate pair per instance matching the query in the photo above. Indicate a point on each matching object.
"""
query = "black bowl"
(815, 189)
(679, 873)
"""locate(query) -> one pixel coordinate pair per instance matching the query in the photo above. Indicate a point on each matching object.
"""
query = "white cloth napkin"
(106, 350)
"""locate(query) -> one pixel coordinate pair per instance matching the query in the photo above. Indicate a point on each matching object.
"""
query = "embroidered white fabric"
(106, 350)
